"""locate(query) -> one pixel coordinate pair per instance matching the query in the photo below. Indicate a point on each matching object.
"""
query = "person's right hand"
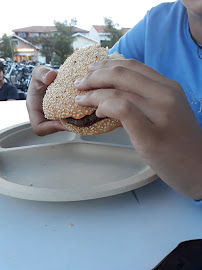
(155, 113)
(41, 77)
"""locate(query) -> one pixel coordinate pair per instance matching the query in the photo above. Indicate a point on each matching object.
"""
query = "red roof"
(43, 29)
(125, 30)
(101, 29)
(35, 29)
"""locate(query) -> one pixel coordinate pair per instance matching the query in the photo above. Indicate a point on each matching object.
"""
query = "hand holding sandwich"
(52, 95)
(42, 76)
(156, 115)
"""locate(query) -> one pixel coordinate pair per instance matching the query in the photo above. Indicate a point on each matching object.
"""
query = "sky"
(24, 13)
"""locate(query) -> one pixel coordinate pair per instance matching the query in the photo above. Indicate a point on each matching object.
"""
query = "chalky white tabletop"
(130, 231)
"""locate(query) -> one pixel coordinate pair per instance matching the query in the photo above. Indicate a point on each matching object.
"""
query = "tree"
(63, 39)
(46, 44)
(114, 34)
(56, 46)
(7, 47)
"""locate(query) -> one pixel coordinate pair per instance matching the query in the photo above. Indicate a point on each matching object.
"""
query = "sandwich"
(59, 100)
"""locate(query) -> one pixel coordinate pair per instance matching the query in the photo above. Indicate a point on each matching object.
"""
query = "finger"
(40, 125)
(120, 78)
(41, 77)
(40, 72)
(139, 128)
(130, 64)
(93, 98)
(46, 127)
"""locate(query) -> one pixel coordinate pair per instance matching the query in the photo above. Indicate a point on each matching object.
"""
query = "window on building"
(34, 34)
(22, 35)
(15, 41)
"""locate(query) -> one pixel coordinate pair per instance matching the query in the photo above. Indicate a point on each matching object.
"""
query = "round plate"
(68, 167)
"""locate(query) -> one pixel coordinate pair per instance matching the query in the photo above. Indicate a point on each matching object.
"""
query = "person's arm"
(156, 115)
(41, 78)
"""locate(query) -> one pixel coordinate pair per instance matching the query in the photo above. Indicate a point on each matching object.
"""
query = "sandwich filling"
(85, 121)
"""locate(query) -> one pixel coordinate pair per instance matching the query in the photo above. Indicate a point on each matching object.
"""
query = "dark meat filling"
(86, 121)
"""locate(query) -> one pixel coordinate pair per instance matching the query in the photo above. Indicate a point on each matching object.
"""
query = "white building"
(98, 33)
(82, 41)
(24, 49)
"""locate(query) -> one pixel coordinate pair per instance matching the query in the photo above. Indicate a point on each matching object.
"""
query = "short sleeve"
(132, 44)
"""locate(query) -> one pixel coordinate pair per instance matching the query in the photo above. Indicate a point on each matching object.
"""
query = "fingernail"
(78, 81)
(46, 74)
(94, 66)
(79, 97)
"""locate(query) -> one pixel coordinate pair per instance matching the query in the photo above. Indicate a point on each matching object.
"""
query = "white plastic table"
(113, 233)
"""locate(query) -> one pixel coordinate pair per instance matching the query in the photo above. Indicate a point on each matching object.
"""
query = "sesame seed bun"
(59, 100)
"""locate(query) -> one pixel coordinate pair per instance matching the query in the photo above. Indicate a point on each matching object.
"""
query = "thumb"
(43, 75)
(49, 77)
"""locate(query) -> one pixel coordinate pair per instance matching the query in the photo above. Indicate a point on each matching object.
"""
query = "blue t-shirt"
(162, 41)
(8, 91)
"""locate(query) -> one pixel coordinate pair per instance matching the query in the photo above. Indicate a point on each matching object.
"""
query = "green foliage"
(7, 47)
(46, 44)
(56, 46)
(55, 60)
(114, 34)
(63, 39)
